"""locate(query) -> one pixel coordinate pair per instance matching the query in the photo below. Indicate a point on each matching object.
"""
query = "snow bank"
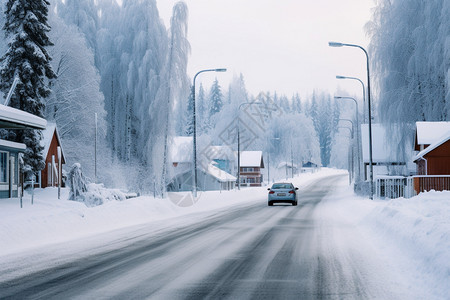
(417, 232)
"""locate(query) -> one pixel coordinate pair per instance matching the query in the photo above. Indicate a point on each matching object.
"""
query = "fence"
(394, 187)
(407, 187)
(423, 183)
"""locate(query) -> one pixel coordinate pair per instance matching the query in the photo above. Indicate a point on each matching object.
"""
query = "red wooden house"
(51, 141)
(250, 170)
(433, 160)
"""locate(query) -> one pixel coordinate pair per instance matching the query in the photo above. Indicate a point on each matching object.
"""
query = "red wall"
(51, 151)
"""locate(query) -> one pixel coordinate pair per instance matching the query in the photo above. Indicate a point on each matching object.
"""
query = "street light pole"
(357, 131)
(239, 141)
(364, 92)
(335, 44)
(194, 187)
(351, 164)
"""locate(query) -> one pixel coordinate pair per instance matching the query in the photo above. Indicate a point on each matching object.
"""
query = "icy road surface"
(249, 251)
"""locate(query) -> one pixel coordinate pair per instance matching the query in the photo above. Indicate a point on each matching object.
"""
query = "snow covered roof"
(47, 135)
(181, 149)
(252, 159)
(12, 145)
(428, 133)
(219, 174)
(433, 146)
(381, 152)
(15, 118)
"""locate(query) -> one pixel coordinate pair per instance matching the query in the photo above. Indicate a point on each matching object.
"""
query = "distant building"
(51, 141)
(211, 175)
(11, 118)
(251, 164)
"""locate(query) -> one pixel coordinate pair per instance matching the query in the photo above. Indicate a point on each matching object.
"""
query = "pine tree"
(201, 109)
(26, 28)
(296, 103)
(189, 127)
(216, 98)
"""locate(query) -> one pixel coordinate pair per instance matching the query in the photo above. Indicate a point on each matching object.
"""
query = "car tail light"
(291, 192)
(271, 192)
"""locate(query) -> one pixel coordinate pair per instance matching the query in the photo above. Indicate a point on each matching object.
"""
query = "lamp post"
(239, 140)
(357, 131)
(336, 44)
(350, 161)
(364, 92)
(194, 188)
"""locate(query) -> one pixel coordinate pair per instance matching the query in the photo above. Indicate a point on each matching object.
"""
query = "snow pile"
(90, 194)
(419, 230)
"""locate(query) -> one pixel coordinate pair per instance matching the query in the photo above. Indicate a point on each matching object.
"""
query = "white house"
(209, 176)
(11, 118)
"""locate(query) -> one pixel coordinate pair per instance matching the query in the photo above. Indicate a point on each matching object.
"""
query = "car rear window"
(281, 186)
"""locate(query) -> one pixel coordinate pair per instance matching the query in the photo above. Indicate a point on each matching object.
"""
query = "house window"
(3, 167)
(247, 169)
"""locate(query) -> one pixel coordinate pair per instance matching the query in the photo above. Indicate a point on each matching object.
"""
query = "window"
(3, 167)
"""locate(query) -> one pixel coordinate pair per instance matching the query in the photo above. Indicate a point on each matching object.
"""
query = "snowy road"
(249, 251)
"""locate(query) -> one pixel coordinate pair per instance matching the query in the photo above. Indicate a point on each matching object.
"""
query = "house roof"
(13, 118)
(252, 159)
(181, 149)
(439, 142)
(428, 133)
(381, 151)
(12, 145)
(219, 174)
(47, 137)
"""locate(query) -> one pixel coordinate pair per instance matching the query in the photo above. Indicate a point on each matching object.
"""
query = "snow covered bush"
(91, 194)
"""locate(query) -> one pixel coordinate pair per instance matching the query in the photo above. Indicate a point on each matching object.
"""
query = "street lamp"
(336, 44)
(239, 143)
(351, 164)
(357, 130)
(194, 188)
(364, 92)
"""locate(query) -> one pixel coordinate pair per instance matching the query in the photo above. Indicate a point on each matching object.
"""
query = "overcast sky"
(278, 45)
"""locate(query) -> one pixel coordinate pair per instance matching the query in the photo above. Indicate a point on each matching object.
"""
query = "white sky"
(278, 45)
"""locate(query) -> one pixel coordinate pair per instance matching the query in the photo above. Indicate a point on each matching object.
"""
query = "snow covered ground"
(412, 234)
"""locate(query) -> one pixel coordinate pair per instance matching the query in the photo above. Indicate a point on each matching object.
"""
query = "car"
(282, 192)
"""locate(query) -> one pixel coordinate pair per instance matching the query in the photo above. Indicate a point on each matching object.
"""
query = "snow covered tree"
(215, 99)
(76, 96)
(26, 29)
(174, 83)
(201, 109)
(296, 103)
(325, 116)
(411, 60)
